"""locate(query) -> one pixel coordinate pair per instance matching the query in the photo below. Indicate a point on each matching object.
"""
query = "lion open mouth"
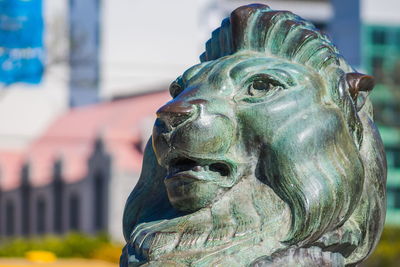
(197, 169)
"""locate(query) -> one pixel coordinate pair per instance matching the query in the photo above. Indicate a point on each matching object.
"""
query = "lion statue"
(267, 155)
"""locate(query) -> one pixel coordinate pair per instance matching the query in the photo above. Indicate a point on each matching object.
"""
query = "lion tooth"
(197, 168)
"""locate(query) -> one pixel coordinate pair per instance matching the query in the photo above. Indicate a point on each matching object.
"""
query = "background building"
(77, 175)
(74, 118)
(381, 57)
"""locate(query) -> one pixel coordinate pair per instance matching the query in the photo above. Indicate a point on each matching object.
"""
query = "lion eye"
(175, 89)
(261, 85)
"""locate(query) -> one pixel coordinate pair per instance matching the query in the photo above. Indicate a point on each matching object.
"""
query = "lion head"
(266, 145)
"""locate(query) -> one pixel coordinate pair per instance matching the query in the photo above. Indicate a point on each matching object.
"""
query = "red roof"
(72, 136)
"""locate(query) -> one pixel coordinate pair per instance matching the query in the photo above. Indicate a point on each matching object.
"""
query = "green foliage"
(387, 252)
(71, 245)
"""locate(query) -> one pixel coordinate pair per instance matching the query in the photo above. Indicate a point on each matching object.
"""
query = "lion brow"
(240, 72)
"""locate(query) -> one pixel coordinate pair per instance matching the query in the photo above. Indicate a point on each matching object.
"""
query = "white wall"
(121, 185)
(386, 12)
(26, 110)
(147, 44)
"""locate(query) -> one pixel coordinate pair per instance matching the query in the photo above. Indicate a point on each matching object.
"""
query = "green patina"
(267, 155)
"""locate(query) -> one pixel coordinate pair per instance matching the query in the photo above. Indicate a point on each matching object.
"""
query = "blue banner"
(21, 41)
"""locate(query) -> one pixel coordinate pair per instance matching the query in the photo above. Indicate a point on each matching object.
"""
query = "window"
(396, 198)
(41, 216)
(25, 203)
(10, 218)
(393, 197)
(74, 212)
(58, 215)
(379, 36)
(393, 156)
(398, 40)
(389, 158)
(396, 70)
(377, 68)
(396, 152)
(99, 203)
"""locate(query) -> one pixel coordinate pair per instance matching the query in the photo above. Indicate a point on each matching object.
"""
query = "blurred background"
(80, 81)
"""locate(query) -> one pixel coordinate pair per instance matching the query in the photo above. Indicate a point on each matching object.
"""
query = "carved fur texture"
(267, 151)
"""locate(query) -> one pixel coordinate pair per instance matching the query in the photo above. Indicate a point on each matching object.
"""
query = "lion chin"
(266, 155)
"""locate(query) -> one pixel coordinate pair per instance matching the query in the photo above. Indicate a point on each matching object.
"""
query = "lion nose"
(176, 112)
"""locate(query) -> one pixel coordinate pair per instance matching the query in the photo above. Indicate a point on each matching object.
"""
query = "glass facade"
(381, 57)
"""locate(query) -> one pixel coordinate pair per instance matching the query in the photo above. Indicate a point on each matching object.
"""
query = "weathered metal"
(267, 155)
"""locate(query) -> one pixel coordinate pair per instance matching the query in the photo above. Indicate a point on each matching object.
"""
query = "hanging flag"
(21, 41)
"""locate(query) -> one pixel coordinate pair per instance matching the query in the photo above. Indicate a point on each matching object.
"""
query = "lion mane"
(336, 197)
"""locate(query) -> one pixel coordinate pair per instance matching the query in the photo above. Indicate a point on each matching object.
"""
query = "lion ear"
(359, 87)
